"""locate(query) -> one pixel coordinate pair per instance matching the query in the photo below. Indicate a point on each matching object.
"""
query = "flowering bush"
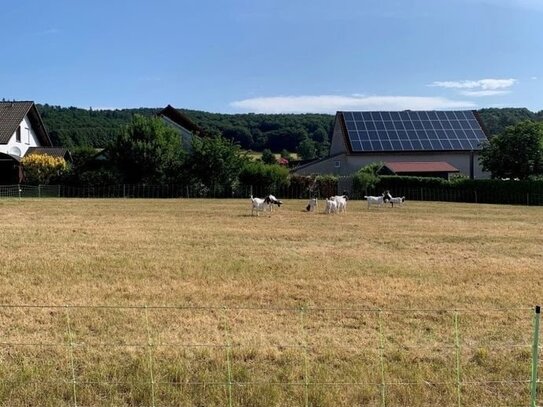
(40, 168)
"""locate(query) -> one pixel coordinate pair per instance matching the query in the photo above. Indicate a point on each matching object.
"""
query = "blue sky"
(274, 55)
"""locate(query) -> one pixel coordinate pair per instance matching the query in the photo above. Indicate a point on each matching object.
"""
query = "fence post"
(306, 362)
(458, 355)
(39, 191)
(382, 357)
(228, 346)
(70, 337)
(475, 194)
(150, 348)
(535, 356)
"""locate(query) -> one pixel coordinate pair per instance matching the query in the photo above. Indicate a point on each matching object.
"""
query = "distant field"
(255, 155)
(281, 331)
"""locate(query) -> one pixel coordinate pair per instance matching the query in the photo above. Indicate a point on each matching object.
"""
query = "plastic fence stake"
(228, 346)
(535, 356)
(458, 364)
(150, 348)
(382, 358)
(72, 365)
(306, 361)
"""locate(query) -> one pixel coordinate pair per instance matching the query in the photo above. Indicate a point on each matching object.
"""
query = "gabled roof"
(416, 166)
(412, 131)
(11, 116)
(179, 118)
(52, 151)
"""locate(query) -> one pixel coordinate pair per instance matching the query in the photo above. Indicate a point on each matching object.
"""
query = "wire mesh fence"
(284, 192)
(255, 356)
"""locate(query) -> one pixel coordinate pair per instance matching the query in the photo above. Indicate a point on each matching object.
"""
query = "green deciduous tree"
(268, 157)
(516, 153)
(307, 149)
(263, 175)
(366, 177)
(147, 151)
(215, 162)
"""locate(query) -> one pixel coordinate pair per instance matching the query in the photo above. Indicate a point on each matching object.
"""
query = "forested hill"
(72, 127)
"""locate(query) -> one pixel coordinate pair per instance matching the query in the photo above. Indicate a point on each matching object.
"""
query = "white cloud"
(483, 84)
(480, 93)
(333, 103)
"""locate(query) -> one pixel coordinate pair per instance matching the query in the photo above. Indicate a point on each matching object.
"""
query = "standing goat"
(272, 200)
(312, 205)
(341, 201)
(375, 200)
(394, 200)
(257, 205)
(331, 206)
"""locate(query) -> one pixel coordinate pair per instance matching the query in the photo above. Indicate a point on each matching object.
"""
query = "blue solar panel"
(413, 131)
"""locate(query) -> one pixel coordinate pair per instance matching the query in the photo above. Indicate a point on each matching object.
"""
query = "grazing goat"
(257, 205)
(375, 200)
(331, 206)
(272, 200)
(341, 201)
(393, 200)
(312, 205)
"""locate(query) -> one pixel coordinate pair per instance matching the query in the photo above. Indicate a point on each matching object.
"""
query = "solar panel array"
(414, 131)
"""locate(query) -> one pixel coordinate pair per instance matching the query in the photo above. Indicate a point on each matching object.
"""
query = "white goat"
(394, 200)
(312, 205)
(397, 200)
(257, 205)
(331, 206)
(375, 200)
(341, 202)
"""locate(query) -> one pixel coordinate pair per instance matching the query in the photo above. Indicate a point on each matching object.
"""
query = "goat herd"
(334, 204)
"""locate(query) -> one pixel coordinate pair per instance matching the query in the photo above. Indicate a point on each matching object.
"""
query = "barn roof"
(11, 116)
(179, 118)
(412, 131)
(420, 167)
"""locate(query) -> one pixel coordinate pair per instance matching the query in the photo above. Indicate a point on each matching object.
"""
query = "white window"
(27, 135)
(337, 164)
(18, 135)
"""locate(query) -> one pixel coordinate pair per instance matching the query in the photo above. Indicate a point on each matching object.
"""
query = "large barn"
(417, 137)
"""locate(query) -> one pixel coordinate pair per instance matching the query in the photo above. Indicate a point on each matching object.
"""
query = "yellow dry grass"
(212, 253)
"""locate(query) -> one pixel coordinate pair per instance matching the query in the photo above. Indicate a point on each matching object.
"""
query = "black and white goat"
(312, 205)
(272, 200)
(394, 200)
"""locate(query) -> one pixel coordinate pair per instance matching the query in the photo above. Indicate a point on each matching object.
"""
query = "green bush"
(266, 176)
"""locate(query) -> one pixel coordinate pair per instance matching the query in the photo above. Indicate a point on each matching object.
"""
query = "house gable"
(21, 127)
(181, 123)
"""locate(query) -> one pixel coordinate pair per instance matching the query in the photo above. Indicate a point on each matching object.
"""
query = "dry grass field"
(277, 310)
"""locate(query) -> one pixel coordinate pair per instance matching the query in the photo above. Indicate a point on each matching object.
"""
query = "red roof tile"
(435, 166)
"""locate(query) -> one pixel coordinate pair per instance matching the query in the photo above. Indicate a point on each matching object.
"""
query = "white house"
(21, 132)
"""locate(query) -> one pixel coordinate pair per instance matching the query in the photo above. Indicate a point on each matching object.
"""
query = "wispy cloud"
(483, 84)
(333, 103)
(480, 93)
